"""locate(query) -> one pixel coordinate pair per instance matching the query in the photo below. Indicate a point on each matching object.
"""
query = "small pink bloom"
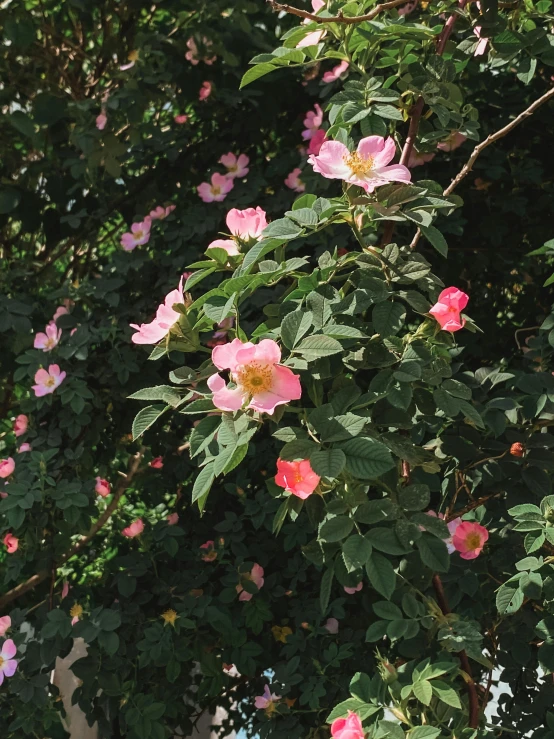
(447, 309)
(293, 180)
(166, 317)
(469, 539)
(256, 575)
(135, 529)
(25, 447)
(20, 424)
(455, 140)
(317, 141)
(48, 380)
(408, 8)
(417, 158)
(139, 234)
(237, 166)
(193, 55)
(265, 701)
(357, 589)
(172, 519)
(8, 665)
(348, 728)
(336, 73)
(218, 190)
(157, 463)
(452, 526)
(5, 624)
(48, 340)
(259, 379)
(332, 626)
(102, 487)
(297, 478)
(229, 245)
(311, 39)
(209, 547)
(317, 5)
(312, 121)
(11, 542)
(180, 119)
(160, 212)
(65, 589)
(366, 167)
(101, 121)
(246, 224)
(205, 90)
(60, 311)
(482, 44)
(7, 466)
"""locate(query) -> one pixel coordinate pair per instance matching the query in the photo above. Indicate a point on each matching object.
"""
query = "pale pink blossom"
(216, 190)
(237, 166)
(447, 309)
(228, 245)
(482, 43)
(312, 121)
(317, 141)
(246, 224)
(366, 167)
(25, 447)
(193, 55)
(455, 140)
(418, 158)
(357, 589)
(297, 478)
(134, 529)
(101, 121)
(256, 575)
(210, 554)
(469, 539)
(49, 339)
(265, 702)
(157, 463)
(133, 57)
(20, 424)
(61, 310)
(348, 728)
(139, 234)
(48, 380)
(332, 626)
(65, 589)
(452, 526)
(102, 487)
(205, 90)
(8, 665)
(259, 379)
(293, 180)
(311, 39)
(160, 212)
(166, 318)
(180, 119)
(11, 542)
(172, 519)
(5, 624)
(336, 73)
(7, 466)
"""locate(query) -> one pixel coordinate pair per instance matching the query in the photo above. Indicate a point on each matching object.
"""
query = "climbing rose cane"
(166, 317)
(469, 539)
(297, 478)
(348, 728)
(447, 309)
(48, 380)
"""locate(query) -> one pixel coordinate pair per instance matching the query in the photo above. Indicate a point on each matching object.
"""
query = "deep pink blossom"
(469, 539)
(351, 591)
(317, 141)
(229, 245)
(336, 73)
(259, 379)
(312, 121)
(246, 224)
(256, 575)
(348, 728)
(205, 90)
(293, 180)
(217, 190)
(237, 166)
(7, 466)
(102, 487)
(455, 140)
(366, 167)
(297, 478)
(139, 234)
(134, 529)
(418, 158)
(265, 702)
(49, 339)
(101, 121)
(11, 542)
(166, 317)
(48, 380)
(5, 624)
(180, 119)
(332, 626)
(8, 665)
(160, 212)
(20, 424)
(25, 447)
(157, 463)
(172, 519)
(447, 309)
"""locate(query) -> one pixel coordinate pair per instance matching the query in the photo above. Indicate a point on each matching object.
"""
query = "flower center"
(232, 168)
(1, 662)
(255, 378)
(359, 165)
(473, 541)
(298, 477)
(139, 235)
(50, 382)
(76, 611)
(216, 190)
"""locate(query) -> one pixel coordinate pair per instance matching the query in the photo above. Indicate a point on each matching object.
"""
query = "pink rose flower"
(101, 121)
(172, 519)
(180, 119)
(447, 309)
(11, 542)
(265, 701)
(317, 141)
(205, 90)
(259, 379)
(237, 166)
(65, 589)
(408, 8)
(336, 73)
(469, 539)
(20, 424)
(48, 380)
(7, 466)
(210, 553)
(25, 447)
(193, 55)
(452, 526)
(229, 245)
(48, 340)
(102, 487)
(348, 728)
(482, 44)
(160, 212)
(139, 234)
(61, 310)
(5, 624)
(357, 589)
(218, 190)
(256, 575)
(311, 39)
(293, 180)
(135, 529)
(455, 140)
(332, 626)
(246, 224)
(157, 463)
(417, 158)
(365, 167)
(166, 317)
(312, 121)
(8, 665)
(297, 478)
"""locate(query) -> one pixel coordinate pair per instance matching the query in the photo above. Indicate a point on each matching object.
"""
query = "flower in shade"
(336, 73)
(209, 551)
(160, 212)
(48, 380)
(11, 542)
(469, 539)
(317, 141)
(25, 447)
(101, 121)
(237, 166)
(256, 575)
(280, 633)
(482, 44)
(348, 728)
(138, 235)
(332, 626)
(447, 309)
(134, 529)
(205, 90)
(246, 224)
(172, 519)
(193, 55)
(169, 617)
(260, 381)
(266, 702)
(312, 121)
(455, 140)
(157, 463)
(365, 167)
(7, 466)
(418, 158)
(20, 424)
(216, 190)
(8, 665)
(49, 339)
(357, 589)
(408, 8)
(102, 487)
(297, 478)
(5, 624)
(65, 589)
(228, 245)
(180, 119)
(166, 317)
(133, 57)
(293, 180)
(76, 611)
(61, 310)
(452, 526)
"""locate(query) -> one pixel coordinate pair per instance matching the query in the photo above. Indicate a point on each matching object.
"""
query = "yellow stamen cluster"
(169, 617)
(473, 541)
(255, 378)
(359, 165)
(76, 611)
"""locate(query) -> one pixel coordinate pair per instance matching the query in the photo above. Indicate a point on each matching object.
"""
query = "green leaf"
(9, 199)
(203, 434)
(433, 553)
(335, 529)
(315, 347)
(436, 239)
(294, 326)
(388, 611)
(325, 592)
(381, 575)
(203, 482)
(146, 418)
(509, 599)
(414, 497)
(160, 392)
(424, 732)
(423, 691)
(356, 551)
(327, 462)
(282, 228)
(255, 73)
(446, 694)
(366, 458)
(109, 620)
(388, 318)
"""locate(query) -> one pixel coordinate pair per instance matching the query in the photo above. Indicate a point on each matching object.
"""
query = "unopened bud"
(517, 449)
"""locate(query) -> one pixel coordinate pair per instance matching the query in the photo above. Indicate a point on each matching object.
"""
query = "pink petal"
(9, 667)
(9, 649)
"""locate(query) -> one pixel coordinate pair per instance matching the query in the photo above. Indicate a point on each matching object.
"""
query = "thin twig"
(471, 507)
(348, 20)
